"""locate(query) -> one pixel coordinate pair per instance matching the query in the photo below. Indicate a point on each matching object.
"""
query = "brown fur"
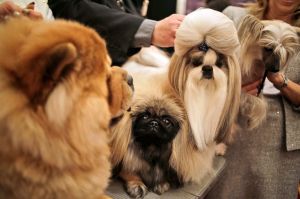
(56, 106)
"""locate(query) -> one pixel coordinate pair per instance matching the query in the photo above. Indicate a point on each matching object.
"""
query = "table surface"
(189, 191)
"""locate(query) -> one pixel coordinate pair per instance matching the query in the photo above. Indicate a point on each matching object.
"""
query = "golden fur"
(255, 35)
(57, 96)
(147, 89)
(151, 90)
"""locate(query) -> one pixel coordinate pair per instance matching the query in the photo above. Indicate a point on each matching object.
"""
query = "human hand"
(275, 78)
(165, 30)
(8, 8)
(251, 88)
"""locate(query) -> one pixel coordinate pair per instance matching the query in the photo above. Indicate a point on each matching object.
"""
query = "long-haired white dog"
(265, 46)
(205, 74)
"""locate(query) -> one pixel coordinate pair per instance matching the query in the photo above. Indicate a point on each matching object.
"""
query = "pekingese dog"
(205, 74)
(266, 46)
(142, 139)
(58, 94)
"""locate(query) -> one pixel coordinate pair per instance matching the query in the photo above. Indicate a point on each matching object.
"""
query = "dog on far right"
(266, 45)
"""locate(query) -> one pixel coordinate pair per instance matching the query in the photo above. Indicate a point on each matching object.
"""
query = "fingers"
(275, 78)
(165, 30)
(253, 92)
(252, 88)
(32, 14)
(178, 17)
(30, 6)
(8, 9)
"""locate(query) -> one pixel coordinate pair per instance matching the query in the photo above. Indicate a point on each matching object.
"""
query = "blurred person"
(265, 163)
(218, 5)
(120, 23)
(9, 8)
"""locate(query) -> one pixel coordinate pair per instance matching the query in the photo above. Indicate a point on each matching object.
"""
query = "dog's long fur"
(151, 92)
(256, 37)
(57, 96)
(211, 104)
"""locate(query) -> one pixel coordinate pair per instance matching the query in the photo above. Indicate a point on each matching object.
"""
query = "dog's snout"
(207, 71)
(272, 63)
(154, 124)
(130, 81)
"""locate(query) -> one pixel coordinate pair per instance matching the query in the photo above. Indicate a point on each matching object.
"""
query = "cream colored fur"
(211, 105)
(254, 36)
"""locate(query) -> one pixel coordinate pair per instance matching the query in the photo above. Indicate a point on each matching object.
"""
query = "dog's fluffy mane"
(193, 148)
(55, 111)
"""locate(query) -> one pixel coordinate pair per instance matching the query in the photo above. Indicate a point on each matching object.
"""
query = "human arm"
(159, 33)
(115, 26)
(291, 90)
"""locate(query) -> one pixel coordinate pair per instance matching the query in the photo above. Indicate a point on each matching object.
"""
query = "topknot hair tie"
(203, 47)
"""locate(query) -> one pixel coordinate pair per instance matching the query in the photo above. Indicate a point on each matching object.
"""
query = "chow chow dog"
(58, 94)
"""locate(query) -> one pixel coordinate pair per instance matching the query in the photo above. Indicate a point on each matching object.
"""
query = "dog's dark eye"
(146, 116)
(268, 49)
(220, 61)
(166, 121)
(197, 61)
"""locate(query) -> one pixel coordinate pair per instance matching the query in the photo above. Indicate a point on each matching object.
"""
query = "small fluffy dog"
(265, 46)
(205, 75)
(58, 94)
(142, 139)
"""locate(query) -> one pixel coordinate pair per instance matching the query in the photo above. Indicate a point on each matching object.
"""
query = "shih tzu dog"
(142, 140)
(266, 46)
(205, 75)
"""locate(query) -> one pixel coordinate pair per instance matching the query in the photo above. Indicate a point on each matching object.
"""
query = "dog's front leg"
(134, 185)
(104, 197)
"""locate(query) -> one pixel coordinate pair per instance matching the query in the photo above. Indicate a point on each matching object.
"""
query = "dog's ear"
(58, 59)
(297, 29)
(120, 92)
(250, 27)
(49, 68)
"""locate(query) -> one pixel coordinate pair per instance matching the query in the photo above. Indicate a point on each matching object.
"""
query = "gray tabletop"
(189, 191)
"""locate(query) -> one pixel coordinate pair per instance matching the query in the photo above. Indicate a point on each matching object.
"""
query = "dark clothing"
(108, 19)
(158, 9)
(218, 5)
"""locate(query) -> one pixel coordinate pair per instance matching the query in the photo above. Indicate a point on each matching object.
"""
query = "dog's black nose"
(154, 124)
(130, 81)
(207, 71)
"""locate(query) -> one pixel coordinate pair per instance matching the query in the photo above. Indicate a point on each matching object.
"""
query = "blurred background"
(159, 9)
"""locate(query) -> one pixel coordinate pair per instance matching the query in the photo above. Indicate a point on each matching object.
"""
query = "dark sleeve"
(115, 26)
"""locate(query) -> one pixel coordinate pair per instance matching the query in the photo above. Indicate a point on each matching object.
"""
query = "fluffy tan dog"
(57, 95)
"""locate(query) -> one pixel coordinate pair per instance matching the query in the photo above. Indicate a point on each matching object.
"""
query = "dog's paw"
(104, 197)
(221, 149)
(161, 188)
(136, 189)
